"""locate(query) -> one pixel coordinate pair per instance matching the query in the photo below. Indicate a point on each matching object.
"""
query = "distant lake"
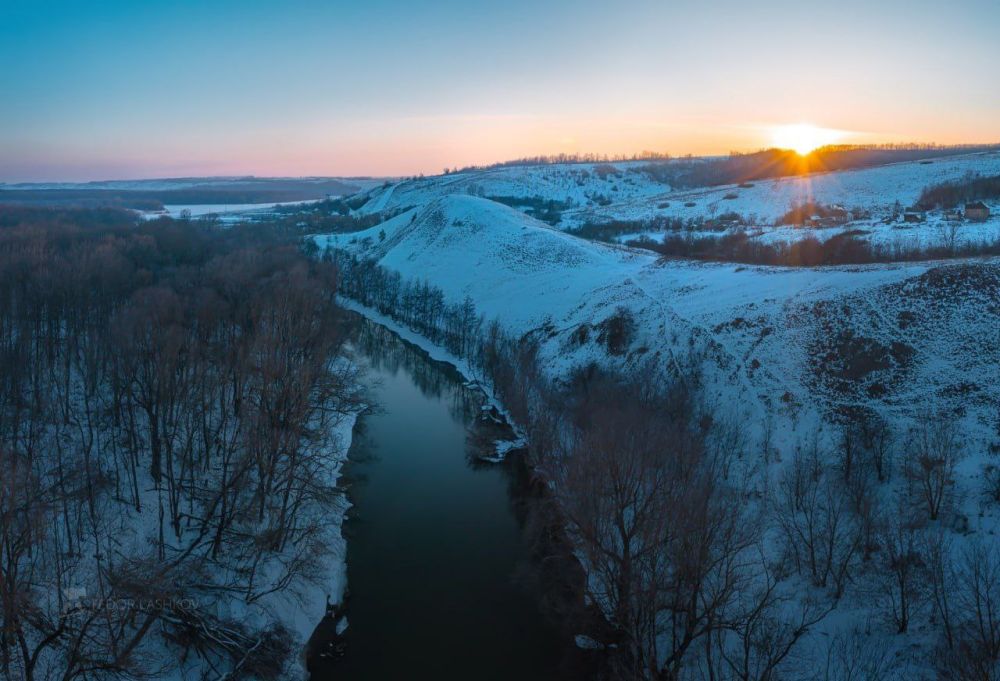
(220, 209)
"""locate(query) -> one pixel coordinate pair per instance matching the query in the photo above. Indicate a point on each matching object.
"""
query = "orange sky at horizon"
(122, 90)
(428, 145)
(432, 144)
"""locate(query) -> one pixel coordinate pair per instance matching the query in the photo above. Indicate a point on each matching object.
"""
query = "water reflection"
(385, 352)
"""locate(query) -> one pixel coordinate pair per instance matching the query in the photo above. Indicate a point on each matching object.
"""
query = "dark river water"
(451, 572)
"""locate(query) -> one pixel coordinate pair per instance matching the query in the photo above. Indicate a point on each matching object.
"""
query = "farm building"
(977, 211)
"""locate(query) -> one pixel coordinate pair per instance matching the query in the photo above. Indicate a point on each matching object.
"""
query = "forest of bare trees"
(168, 397)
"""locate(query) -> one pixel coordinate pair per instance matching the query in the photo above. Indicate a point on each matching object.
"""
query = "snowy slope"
(873, 189)
(765, 330)
(634, 195)
(576, 184)
(788, 354)
(515, 268)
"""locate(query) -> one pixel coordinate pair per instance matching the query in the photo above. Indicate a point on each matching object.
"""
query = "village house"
(977, 211)
(838, 215)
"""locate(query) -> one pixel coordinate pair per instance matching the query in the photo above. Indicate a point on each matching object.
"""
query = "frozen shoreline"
(440, 354)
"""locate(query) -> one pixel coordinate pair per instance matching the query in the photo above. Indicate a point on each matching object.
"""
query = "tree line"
(773, 163)
(844, 248)
(955, 192)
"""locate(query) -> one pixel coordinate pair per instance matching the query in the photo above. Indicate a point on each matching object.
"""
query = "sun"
(803, 137)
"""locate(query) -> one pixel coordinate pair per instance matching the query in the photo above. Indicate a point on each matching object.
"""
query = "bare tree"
(934, 451)
(971, 650)
(821, 534)
(857, 656)
(941, 580)
(664, 539)
(760, 634)
(902, 568)
(877, 440)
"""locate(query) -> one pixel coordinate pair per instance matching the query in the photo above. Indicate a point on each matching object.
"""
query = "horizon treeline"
(739, 166)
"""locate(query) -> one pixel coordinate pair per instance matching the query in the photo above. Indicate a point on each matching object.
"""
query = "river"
(452, 571)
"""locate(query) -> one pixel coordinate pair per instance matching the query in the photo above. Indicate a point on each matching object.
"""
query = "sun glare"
(803, 138)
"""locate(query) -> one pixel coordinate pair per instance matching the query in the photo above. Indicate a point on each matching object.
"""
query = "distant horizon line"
(540, 159)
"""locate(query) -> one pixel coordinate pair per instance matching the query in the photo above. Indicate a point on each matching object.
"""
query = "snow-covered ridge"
(471, 244)
(875, 190)
(761, 326)
(630, 194)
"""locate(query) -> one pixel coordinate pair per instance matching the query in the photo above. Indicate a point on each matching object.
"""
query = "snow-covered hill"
(875, 190)
(496, 255)
(791, 344)
(577, 185)
(632, 194)
(789, 353)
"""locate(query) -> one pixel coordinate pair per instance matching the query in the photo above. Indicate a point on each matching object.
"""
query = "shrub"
(617, 331)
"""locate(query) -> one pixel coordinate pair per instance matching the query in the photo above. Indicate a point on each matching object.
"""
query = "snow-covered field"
(934, 232)
(873, 189)
(170, 184)
(632, 195)
(227, 212)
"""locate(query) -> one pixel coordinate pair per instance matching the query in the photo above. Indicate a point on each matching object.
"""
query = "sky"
(126, 89)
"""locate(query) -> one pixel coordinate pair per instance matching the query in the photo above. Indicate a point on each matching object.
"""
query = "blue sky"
(144, 89)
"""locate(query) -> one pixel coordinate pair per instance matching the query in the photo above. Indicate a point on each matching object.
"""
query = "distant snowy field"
(170, 184)
(227, 212)
(873, 189)
(632, 195)
(935, 232)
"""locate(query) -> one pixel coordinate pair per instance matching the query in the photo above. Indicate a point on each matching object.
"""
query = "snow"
(170, 184)
(468, 243)
(935, 232)
(587, 643)
(766, 334)
(302, 607)
(760, 326)
(873, 189)
(633, 195)
(223, 210)
(576, 183)
(529, 276)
